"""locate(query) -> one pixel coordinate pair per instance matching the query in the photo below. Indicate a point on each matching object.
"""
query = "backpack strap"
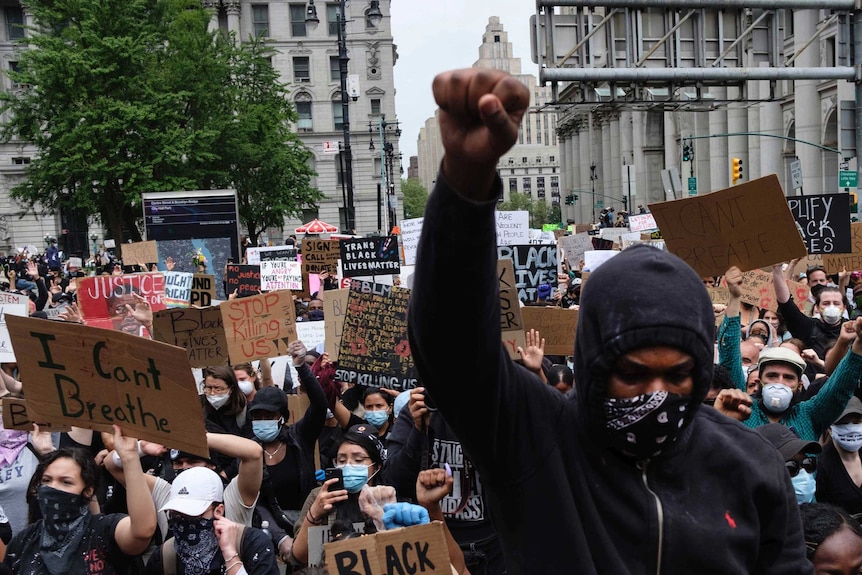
(169, 553)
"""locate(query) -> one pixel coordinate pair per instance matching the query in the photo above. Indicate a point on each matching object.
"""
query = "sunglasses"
(809, 464)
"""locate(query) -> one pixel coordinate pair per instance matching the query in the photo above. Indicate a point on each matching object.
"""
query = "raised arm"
(134, 532)
(250, 455)
(729, 334)
(782, 292)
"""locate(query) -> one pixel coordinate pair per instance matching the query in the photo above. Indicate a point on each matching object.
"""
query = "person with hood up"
(631, 474)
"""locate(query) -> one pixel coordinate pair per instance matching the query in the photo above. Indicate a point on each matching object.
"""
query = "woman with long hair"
(69, 539)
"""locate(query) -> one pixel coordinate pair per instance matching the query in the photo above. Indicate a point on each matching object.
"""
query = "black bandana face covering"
(195, 542)
(63, 521)
(644, 425)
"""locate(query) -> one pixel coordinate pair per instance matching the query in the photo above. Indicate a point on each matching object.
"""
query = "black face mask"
(195, 542)
(63, 521)
(645, 425)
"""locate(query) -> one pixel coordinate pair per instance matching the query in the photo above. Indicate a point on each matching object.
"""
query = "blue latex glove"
(320, 475)
(404, 515)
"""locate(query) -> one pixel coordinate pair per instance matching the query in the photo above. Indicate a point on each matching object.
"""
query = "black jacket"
(718, 501)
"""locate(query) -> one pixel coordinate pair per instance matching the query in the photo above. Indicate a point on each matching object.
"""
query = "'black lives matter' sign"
(823, 221)
(370, 256)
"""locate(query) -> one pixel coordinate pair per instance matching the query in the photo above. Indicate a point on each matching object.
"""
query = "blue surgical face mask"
(804, 486)
(355, 476)
(377, 418)
(266, 429)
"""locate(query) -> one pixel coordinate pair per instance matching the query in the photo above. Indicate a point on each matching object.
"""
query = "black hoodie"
(717, 501)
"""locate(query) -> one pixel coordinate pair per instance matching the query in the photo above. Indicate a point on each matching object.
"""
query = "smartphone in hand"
(331, 472)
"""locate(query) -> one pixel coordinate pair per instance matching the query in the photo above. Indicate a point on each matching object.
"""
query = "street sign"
(692, 186)
(330, 146)
(600, 203)
(796, 174)
(847, 179)
(844, 166)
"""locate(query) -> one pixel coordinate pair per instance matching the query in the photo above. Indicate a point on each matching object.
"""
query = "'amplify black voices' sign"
(823, 221)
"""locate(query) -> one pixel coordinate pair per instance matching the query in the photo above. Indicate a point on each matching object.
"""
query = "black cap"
(785, 441)
(271, 399)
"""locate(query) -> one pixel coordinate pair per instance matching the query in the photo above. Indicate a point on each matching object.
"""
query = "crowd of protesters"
(676, 425)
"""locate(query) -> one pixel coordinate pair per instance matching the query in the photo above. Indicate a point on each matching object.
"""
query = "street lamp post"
(311, 22)
(387, 162)
(593, 178)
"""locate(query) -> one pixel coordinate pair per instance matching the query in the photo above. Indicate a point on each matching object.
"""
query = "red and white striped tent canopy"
(316, 226)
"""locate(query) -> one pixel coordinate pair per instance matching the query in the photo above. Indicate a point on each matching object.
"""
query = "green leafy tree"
(269, 165)
(415, 198)
(540, 212)
(135, 96)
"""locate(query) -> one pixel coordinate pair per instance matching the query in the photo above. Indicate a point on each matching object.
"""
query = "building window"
(375, 106)
(497, 38)
(332, 19)
(552, 159)
(555, 184)
(540, 184)
(301, 69)
(377, 168)
(14, 22)
(21, 160)
(260, 19)
(528, 186)
(513, 185)
(334, 69)
(297, 20)
(337, 114)
(524, 159)
(304, 122)
(538, 159)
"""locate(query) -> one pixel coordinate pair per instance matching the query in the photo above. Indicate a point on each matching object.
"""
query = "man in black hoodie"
(631, 474)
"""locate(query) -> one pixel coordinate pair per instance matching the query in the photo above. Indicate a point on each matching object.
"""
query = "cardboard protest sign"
(280, 275)
(370, 256)
(320, 256)
(719, 295)
(178, 289)
(140, 252)
(242, 279)
(823, 221)
(93, 378)
(602, 243)
(255, 255)
(17, 417)
(835, 263)
(417, 549)
(758, 290)
(259, 326)
(748, 225)
(203, 290)
(534, 265)
(513, 227)
(374, 348)
(575, 246)
(810, 261)
(103, 299)
(200, 331)
(334, 312)
(311, 333)
(511, 324)
(11, 304)
(642, 222)
(76, 263)
(297, 403)
(555, 324)
(411, 229)
(593, 259)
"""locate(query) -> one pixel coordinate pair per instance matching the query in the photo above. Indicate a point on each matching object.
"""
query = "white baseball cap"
(194, 490)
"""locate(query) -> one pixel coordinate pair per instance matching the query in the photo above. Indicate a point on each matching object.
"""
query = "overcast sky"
(438, 35)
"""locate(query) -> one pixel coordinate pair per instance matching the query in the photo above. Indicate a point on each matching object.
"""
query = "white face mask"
(776, 397)
(831, 314)
(848, 436)
(218, 400)
(246, 386)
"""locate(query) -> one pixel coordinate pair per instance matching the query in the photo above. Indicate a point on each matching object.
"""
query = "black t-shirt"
(834, 484)
(97, 554)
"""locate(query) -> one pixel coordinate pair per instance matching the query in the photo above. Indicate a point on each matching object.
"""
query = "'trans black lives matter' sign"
(94, 378)
(369, 256)
(823, 222)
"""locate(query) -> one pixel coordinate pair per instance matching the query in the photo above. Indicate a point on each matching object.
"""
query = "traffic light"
(854, 203)
(687, 152)
(736, 169)
(570, 200)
